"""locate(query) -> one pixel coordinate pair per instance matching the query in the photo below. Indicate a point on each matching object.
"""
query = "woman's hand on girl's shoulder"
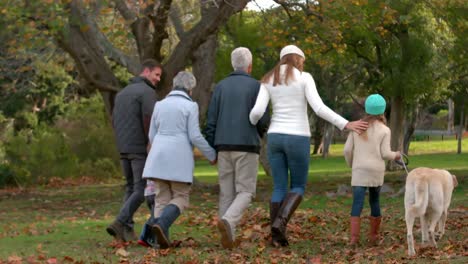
(358, 126)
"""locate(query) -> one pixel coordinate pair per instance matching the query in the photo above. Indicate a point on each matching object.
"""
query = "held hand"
(357, 126)
(148, 148)
(213, 162)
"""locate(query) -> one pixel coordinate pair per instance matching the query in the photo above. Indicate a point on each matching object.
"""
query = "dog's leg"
(441, 229)
(434, 217)
(423, 219)
(409, 227)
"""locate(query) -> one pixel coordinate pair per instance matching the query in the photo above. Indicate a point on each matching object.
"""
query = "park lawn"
(68, 224)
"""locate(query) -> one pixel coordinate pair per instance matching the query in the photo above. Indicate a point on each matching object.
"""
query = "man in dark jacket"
(131, 118)
(237, 142)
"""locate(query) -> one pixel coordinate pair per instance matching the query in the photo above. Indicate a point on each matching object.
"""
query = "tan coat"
(366, 154)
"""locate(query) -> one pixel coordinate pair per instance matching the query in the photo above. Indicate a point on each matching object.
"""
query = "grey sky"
(260, 4)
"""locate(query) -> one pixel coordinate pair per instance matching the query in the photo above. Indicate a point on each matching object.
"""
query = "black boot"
(288, 206)
(275, 237)
(161, 228)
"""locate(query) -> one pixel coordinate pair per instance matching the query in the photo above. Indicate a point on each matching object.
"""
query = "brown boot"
(129, 234)
(274, 209)
(355, 227)
(116, 229)
(288, 206)
(374, 230)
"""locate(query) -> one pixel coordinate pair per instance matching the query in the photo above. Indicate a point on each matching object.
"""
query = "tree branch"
(141, 30)
(212, 19)
(126, 13)
(159, 23)
(305, 7)
(114, 54)
(176, 22)
(83, 47)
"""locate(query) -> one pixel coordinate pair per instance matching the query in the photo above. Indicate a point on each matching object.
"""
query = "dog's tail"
(421, 193)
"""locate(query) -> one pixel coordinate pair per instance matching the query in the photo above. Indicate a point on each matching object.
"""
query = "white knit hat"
(291, 49)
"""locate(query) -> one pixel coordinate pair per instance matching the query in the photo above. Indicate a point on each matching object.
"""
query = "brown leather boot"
(116, 229)
(374, 230)
(288, 206)
(355, 226)
(274, 209)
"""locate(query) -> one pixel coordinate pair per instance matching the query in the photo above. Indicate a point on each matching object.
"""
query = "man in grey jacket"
(237, 142)
(131, 118)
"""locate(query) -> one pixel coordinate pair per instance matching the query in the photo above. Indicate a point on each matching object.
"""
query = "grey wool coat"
(174, 130)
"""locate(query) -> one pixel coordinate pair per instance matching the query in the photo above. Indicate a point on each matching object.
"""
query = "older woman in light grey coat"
(174, 130)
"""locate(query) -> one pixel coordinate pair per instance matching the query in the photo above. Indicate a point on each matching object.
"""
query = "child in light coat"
(366, 154)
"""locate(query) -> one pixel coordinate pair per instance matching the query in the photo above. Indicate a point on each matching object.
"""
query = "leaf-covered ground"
(67, 225)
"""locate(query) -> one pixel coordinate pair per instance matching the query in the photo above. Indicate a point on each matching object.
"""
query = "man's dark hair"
(150, 64)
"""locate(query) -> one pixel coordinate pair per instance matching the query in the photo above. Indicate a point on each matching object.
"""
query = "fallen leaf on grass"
(68, 259)
(15, 259)
(32, 260)
(186, 252)
(260, 249)
(247, 233)
(122, 252)
(314, 260)
(313, 219)
(164, 252)
(52, 261)
(190, 242)
(118, 244)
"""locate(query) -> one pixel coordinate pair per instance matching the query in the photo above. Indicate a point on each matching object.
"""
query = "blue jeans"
(359, 193)
(288, 155)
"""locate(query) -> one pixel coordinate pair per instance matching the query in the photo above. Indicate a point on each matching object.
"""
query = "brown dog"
(427, 196)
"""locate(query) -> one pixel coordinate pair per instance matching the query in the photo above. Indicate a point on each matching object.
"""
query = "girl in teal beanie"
(366, 155)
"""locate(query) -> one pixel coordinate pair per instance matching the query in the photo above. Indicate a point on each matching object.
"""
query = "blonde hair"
(292, 61)
(371, 119)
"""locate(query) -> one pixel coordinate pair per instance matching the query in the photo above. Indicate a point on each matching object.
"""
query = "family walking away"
(156, 140)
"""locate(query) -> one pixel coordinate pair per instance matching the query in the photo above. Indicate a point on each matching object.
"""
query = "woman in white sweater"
(366, 154)
(290, 89)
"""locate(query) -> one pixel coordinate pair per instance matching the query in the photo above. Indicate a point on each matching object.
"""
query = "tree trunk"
(398, 107)
(461, 128)
(204, 67)
(264, 157)
(397, 120)
(317, 134)
(327, 138)
(451, 116)
(411, 126)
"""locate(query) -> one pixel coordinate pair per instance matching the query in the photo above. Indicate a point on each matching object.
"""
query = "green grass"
(68, 224)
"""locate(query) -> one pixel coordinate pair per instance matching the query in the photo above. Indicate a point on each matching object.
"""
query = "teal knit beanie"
(375, 104)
